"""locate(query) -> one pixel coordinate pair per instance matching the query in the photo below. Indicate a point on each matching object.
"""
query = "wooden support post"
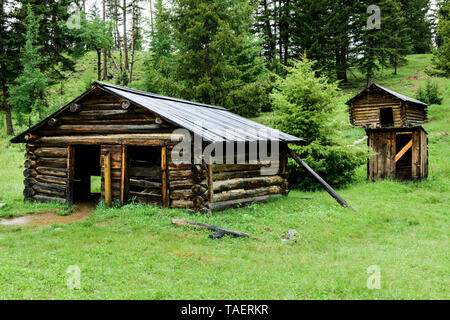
(107, 177)
(70, 174)
(124, 176)
(165, 189)
(327, 187)
(404, 150)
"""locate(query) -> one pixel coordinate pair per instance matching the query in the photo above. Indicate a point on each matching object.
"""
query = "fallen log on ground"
(219, 232)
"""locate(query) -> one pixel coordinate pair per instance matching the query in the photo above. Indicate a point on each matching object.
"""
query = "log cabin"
(392, 122)
(126, 139)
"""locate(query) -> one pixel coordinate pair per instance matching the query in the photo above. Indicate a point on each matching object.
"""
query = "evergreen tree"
(219, 59)
(381, 47)
(304, 105)
(441, 58)
(418, 24)
(27, 95)
(9, 62)
(56, 43)
(161, 67)
(93, 35)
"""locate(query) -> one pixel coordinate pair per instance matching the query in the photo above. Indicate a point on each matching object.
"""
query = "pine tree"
(418, 24)
(219, 59)
(304, 103)
(27, 95)
(441, 58)
(9, 60)
(161, 67)
(381, 47)
(93, 35)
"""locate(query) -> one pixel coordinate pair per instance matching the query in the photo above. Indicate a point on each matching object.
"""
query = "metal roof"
(392, 92)
(213, 123)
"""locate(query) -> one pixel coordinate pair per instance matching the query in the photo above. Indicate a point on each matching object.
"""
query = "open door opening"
(403, 165)
(87, 172)
(145, 182)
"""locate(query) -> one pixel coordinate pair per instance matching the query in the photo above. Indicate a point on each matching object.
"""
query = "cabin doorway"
(87, 174)
(403, 165)
(145, 176)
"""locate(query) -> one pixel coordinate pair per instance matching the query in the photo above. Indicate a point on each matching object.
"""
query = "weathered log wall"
(415, 115)
(365, 111)
(234, 185)
(45, 173)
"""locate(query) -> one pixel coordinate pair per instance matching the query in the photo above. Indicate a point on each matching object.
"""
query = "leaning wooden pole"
(327, 187)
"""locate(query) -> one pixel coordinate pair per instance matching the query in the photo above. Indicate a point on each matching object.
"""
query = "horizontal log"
(107, 139)
(46, 162)
(50, 189)
(241, 167)
(181, 204)
(145, 184)
(247, 183)
(182, 194)
(236, 174)
(181, 184)
(235, 195)
(51, 152)
(145, 194)
(148, 172)
(180, 174)
(65, 129)
(218, 206)
(44, 198)
(51, 179)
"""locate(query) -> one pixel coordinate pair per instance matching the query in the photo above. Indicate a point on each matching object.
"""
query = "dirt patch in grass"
(82, 211)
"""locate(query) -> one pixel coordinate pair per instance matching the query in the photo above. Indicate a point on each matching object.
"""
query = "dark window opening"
(386, 117)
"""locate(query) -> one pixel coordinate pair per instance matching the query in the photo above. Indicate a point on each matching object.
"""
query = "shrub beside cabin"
(393, 125)
(126, 138)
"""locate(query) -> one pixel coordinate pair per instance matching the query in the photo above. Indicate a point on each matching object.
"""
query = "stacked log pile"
(45, 173)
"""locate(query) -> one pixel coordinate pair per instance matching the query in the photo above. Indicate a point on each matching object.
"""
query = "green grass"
(135, 253)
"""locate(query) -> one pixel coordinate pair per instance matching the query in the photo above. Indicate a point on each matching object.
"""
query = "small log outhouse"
(392, 122)
(126, 138)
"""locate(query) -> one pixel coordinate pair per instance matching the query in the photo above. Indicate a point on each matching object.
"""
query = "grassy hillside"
(135, 252)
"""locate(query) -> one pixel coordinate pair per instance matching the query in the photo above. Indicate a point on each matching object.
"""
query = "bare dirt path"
(82, 211)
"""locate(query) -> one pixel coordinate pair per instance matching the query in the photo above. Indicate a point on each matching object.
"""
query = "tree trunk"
(133, 39)
(119, 44)
(341, 64)
(125, 42)
(99, 64)
(7, 109)
(105, 65)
